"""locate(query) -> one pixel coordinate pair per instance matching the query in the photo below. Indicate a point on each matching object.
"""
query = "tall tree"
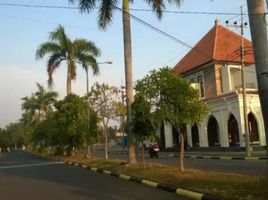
(61, 48)
(258, 29)
(172, 100)
(105, 100)
(106, 9)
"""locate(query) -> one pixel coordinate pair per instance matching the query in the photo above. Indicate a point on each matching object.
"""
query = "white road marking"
(30, 165)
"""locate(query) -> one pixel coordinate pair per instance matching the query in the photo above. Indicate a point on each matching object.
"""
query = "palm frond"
(59, 36)
(90, 61)
(85, 5)
(47, 48)
(159, 5)
(86, 47)
(106, 12)
(53, 63)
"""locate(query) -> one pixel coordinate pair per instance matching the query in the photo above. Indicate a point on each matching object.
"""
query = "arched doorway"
(213, 131)
(233, 132)
(253, 128)
(195, 135)
(175, 134)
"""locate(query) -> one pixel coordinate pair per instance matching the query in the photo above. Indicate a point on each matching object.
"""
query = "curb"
(165, 187)
(204, 157)
(224, 157)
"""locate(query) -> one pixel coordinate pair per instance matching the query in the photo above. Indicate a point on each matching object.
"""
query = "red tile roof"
(219, 44)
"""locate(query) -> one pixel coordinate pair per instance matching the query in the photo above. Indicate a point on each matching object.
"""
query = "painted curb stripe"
(125, 177)
(135, 179)
(189, 194)
(94, 169)
(76, 164)
(150, 183)
(106, 172)
(116, 174)
(251, 158)
(70, 163)
(238, 158)
(166, 187)
(208, 197)
(225, 158)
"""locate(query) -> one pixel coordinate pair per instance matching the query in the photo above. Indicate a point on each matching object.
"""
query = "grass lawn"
(226, 185)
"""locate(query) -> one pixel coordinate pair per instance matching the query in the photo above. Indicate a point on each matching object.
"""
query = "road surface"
(24, 176)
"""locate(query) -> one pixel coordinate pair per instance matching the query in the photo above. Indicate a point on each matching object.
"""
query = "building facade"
(213, 67)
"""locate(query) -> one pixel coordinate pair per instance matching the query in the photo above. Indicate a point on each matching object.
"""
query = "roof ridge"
(215, 41)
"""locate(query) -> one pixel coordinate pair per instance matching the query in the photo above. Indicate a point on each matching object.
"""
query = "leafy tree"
(13, 136)
(66, 128)
(106, 9)
(104, 99)
(61, 48)
(71, 118)
(143, 125)
(172, 100)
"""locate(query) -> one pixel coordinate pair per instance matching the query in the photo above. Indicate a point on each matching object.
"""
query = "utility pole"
(244, 89)
(258, 28)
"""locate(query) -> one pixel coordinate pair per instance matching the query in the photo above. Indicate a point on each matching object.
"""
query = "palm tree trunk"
(128, 77)
(258, 31)
(69, 79)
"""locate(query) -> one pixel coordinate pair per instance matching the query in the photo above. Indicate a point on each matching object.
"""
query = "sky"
(23, 29)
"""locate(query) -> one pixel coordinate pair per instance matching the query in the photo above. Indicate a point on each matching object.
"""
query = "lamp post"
(87, 87)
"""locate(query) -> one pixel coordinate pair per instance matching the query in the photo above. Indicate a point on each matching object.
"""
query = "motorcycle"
(154, 151)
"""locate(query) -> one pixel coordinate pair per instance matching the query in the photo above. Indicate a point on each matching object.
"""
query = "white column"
(168, 136)
(189, 135)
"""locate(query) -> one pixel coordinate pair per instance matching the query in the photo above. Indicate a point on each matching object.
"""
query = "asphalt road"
(244, 167)
(24, 176)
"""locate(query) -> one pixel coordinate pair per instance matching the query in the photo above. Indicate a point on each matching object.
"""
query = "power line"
(133, 9)
(161, 32)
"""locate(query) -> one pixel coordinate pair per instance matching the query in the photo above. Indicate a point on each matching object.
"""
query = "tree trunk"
(105, 134)
(69, 79)
(92, 149)
(142, 154)
(128, 78)
(258, 31)
(181, 151)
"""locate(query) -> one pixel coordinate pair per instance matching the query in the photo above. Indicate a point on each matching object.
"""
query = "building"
(213, 67)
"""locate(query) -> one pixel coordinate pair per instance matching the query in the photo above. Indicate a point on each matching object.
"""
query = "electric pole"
(244, 89)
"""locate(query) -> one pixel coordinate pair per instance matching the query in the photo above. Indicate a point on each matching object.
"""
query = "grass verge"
(226, 185)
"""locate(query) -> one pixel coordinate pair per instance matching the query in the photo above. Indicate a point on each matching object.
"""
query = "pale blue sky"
(23, 29)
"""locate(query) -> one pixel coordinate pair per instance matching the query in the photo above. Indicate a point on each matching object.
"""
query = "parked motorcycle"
(154, 151)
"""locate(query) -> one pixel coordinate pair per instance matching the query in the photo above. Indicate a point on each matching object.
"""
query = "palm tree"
(61, 48)
(45, 100)
(39, 104)
(106, 9)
